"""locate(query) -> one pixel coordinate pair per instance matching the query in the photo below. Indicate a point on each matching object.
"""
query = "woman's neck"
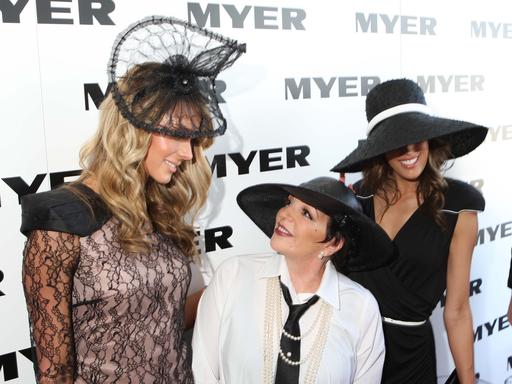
(305, 275)
(406, 187)
(91, 183)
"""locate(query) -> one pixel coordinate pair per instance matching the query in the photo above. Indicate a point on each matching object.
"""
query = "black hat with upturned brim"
(261, 202)
(397, 115)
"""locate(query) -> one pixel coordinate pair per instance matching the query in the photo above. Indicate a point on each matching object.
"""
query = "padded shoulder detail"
(361, 193)
(61, 210)
(462, 196)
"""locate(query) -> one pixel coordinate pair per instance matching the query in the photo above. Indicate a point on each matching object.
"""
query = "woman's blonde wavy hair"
(115, 159)
(378, 179)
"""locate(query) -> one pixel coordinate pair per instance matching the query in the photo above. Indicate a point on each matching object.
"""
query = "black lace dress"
(410, 287)
(97, 313)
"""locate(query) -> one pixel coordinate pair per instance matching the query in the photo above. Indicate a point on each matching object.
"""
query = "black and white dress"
(99, 314)
(410, 287)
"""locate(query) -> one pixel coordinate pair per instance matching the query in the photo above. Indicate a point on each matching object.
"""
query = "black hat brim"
(261, 203)
(408, 128)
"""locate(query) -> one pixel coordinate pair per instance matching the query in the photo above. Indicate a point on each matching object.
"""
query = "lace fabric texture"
(101, 315)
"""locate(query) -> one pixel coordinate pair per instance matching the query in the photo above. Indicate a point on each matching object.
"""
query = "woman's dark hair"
(378, 180)
(342, 228)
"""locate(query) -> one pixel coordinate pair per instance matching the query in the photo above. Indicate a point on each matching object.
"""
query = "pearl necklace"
(303, 335)
(273, 328)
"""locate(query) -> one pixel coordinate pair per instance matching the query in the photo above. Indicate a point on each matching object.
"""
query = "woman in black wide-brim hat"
(432, 221)
(293, 316)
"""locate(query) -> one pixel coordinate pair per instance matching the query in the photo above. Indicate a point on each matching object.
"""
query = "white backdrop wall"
(294, 104)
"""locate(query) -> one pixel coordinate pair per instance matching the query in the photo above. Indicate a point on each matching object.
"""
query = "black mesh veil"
(163, 71)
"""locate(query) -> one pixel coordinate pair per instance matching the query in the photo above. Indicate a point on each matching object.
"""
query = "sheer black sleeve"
(49, 261)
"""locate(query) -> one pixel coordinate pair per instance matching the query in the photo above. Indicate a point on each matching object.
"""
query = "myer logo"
(407, 25)
(325, 87)
(18, 185)
(94, 93)
(9, 363)
(350, 86)
(451, 83)
(214, 238)
(489, 328)
(271, 159)
(498, 231)
(268, 159)
(499, 133)
(488, 29)
(54, 12)
(243, 16)
(474, 289)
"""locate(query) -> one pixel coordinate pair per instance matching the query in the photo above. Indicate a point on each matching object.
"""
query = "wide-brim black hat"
(261, 203)
(398, 116)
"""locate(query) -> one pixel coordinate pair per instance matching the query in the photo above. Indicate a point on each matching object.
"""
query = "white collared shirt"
(228, 335)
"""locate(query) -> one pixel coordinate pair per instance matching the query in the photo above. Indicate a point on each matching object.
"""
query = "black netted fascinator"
(163, 71)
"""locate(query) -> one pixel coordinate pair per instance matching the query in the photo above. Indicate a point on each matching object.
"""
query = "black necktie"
(285, 372)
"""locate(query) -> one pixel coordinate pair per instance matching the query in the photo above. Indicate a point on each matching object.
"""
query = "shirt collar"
(329, 289)
(271, 267)
(329, 286)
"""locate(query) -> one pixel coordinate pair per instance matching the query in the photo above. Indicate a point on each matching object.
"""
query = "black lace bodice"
(100, 315)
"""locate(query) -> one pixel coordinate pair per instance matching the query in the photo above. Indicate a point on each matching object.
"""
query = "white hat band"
(396, 110)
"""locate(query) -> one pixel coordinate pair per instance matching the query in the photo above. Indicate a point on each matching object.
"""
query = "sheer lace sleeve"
(49, 261)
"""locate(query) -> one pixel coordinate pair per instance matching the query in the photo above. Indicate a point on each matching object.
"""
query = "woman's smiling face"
(409, 162)
(300, 230)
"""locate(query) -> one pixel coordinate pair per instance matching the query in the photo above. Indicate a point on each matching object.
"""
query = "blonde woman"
(106, 265)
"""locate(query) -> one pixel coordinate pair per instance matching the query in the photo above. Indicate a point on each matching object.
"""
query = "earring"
(321, 255)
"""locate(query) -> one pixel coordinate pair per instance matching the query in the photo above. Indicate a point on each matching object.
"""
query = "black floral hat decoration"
(398, 115)
(162, 68)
